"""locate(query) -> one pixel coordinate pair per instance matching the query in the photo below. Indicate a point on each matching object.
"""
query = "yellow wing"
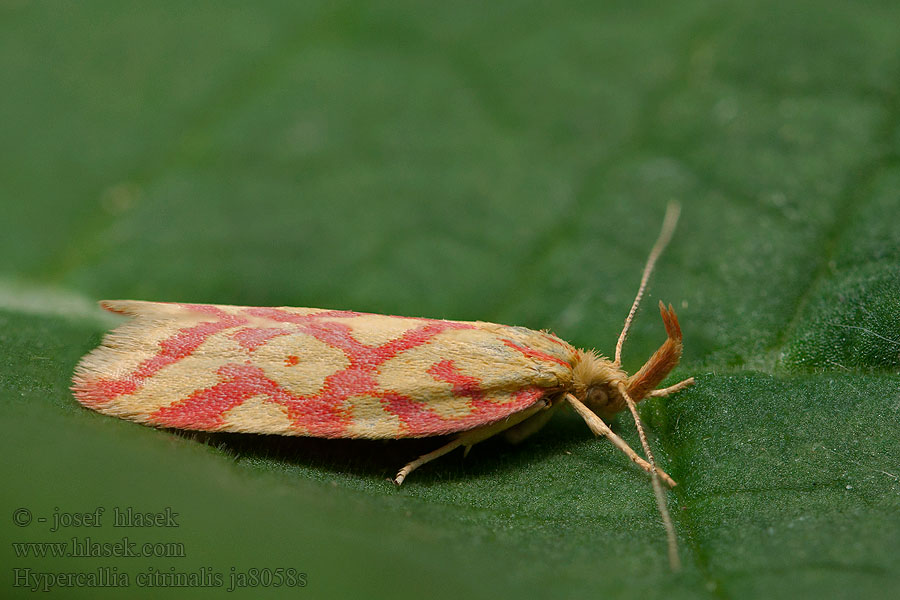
(314, 372)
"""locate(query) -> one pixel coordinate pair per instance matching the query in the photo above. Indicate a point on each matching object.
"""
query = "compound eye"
(596, 396)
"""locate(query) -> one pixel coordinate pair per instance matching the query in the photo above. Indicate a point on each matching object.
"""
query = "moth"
(343, 374)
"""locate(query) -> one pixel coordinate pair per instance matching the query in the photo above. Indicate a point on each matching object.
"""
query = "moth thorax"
(594, 380)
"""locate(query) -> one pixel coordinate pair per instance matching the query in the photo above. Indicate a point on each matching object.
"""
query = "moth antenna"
(674, 560)
(665, 234)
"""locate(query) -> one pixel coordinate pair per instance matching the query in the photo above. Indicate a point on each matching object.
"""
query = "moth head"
(597, 380)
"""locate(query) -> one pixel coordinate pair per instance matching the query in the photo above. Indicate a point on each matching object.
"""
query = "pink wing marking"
(552, 338)
(532, 353)
(251, 338)
(321, 414)
(205, 409)
(178, 346)
(421, 420)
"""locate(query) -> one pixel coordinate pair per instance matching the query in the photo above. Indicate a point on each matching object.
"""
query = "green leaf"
(509, 163)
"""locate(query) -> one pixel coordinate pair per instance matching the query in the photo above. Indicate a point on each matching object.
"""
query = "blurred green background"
(509, 163)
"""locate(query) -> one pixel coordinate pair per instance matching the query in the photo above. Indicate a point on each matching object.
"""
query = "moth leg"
(472, 437)
(597, 425)
(427, 458)
(671, 389)
(517, 433)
